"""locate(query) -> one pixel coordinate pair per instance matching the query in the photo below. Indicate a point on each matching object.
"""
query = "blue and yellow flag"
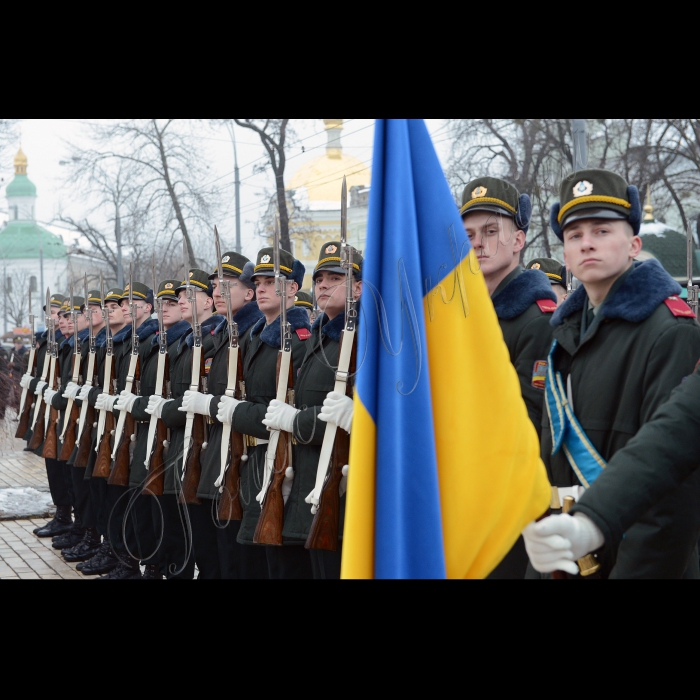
(444, 461)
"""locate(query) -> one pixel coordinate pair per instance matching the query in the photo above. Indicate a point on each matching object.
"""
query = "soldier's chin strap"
(567, 433)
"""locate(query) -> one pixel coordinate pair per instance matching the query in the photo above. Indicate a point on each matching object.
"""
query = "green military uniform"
(316, 379)
(555, 271)
(524, 303)
(260, 351)
(621, 362)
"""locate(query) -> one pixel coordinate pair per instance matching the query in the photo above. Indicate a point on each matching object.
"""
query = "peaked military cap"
(330, 259)
(197, 279)
(232, 264)
(94, 297)
(166, 289)
(497, 196)
(289, 267)
(18, 339)
(78, 303)
(304, 300)
(142, 292)
(56, 301)
(595, 194)
(114, 294)
(552, 268)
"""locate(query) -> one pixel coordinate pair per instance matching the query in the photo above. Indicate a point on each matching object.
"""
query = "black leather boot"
(70, 539)
(87, 549)
(123, 572)
(152, 572)
(60, 525)
(102, 563)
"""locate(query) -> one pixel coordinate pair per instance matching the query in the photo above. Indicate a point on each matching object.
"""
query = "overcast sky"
(45, 143)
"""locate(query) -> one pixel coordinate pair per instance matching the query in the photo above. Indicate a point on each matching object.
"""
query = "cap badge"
(331, 249)
(536, 266)
(126, 289)
(296, 298)
(191, 275)
(265, 259)
(479, 192)
(583, 189)
(169, 285)
(226, 258)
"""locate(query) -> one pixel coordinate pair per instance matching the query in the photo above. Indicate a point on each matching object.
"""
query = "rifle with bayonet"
(25, 404)
(37, 427)
(692, 289)
(50, 450)
(105, 421)
(87, 412)
(278, 457)
(72, 413)
(195, 425)
(233, 448)
(335, 449)
(126, 425)
(155, 453)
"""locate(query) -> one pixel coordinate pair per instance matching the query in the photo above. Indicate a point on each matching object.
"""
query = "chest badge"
(207, 365)
(539, 374)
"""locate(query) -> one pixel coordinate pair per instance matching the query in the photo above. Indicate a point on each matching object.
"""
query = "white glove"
(39, 388)
(343, 486)
(71, 390)
(48, 396)
(558, 542)
(105, 402)
(155, 405)
(126, 401)
(25, 381)
(280, 416)
(287, 483)
(337, 408)
(227, 406)
(84, 391)
(195, 402)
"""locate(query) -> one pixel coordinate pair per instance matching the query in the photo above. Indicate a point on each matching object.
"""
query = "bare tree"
(275, 135)
(17, 284)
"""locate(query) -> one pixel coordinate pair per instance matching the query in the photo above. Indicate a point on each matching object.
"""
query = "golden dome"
(20, 163)
(323, 176)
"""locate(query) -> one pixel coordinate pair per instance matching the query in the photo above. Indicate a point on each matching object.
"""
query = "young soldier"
(623, 341)
(89, 545)
(144, 507)
(235, 560)
(653, 464)
(260, 352)
(303, 300)
(122, 529)
(181, 520)
(496, 218)
(60, 494)
(556, 272)
(104, 560)
(316, 379)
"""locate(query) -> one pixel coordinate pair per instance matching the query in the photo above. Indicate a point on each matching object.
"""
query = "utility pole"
(118, 236)
(237, 182)
(580, 144)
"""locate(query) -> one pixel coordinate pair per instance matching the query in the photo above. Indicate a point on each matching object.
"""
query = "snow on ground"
(27, 502)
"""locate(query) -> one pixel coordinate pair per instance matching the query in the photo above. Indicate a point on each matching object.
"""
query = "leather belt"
(560, 493)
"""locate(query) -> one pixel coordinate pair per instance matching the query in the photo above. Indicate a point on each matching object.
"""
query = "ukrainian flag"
(444, 462)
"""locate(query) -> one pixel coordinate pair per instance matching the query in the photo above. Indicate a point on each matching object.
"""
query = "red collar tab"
(678, 307)
(303, 333)
(547, 306)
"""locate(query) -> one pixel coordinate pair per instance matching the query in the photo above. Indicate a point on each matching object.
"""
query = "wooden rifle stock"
(26, 414)
(103, 463)
(37, 438)
(271, 521)
(83, 455)
(230, 507)
(325, 527)
(71, 437)
(193, 467)
(119, 475)
(50, 450)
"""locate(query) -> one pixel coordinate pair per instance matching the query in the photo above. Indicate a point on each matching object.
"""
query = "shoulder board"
(303, 333)
(547, 306)
(678, 307)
